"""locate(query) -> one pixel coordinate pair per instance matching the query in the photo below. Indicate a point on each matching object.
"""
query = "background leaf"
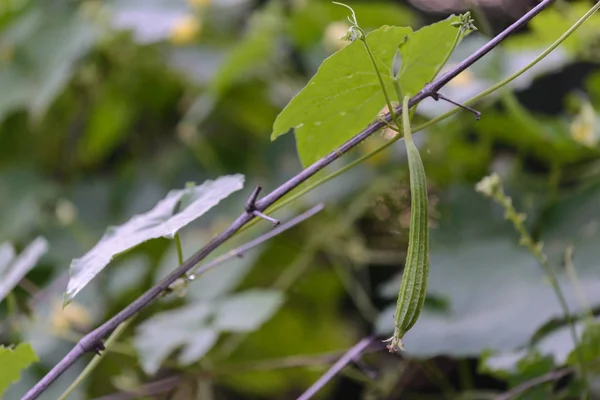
(150, 21)
(496, 293)
(162, 221)
(48, 48)
(248, 310)
(12, 269)
(196, 328)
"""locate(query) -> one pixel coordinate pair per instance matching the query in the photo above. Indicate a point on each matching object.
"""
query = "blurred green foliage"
(107, 106)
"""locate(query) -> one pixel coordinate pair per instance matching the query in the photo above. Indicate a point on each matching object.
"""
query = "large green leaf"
(196, 327)
(176, 210)
(12, 362)
(424, 53)
(342, 97)
(13, 269)
(497, 294)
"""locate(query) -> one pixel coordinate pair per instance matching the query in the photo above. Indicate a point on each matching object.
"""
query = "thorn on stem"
(250, 203)
(251, 207)
(272, 220)
(98, 347)
(439, 96)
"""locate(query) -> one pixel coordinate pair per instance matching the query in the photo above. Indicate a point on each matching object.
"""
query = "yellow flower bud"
(185, 30)
(332, 37)
(199, 3)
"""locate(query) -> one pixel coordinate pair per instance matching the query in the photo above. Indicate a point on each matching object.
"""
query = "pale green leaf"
(12, 270)
(164, 220)
(248, 310)
(424, 53)
(49, 47)
(12, 362)
(342, 97)
(55, 50)
(159, 336)
(198, 345)
(195, 328)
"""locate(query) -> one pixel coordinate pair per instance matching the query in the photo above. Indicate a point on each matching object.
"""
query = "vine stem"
(95, 361)
(524, 387)
(391, 110)
(179, 248)
(90, 341)
(491, 186)
(536, 250)
(346, 359)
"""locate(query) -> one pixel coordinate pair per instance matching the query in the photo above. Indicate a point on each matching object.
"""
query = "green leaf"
(107, 126)
(12, 362)
(556, 348)
(424, 53)
(590, 344)
(12, 269)
(311, 312)
(343, 96)
(164, 220)
(530, 367)
(255, 50)
(546, 27)
(195, 328)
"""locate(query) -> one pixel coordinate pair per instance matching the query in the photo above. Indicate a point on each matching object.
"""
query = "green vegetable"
(416, 270)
